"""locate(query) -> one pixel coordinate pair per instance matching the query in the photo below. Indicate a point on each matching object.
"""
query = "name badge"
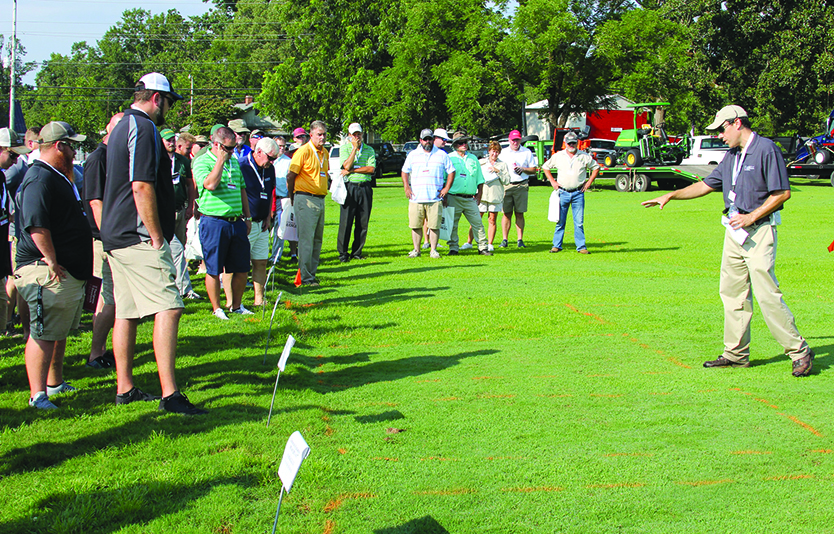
(263, 196)
(732, 196)
(176, 178)
(462, 175)
(232, 186)
(323, 174)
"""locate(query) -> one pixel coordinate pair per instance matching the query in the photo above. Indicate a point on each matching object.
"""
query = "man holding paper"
(755, 184)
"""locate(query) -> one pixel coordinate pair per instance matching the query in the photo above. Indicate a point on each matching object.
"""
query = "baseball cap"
(441, 133)
(155, 81)
(201, 140)
(10, 140)
(354, 127)
(167, 133)
(571, 137)
(58, 131)
(727, 113)
(257, 133)
(238, 126)
(215, 128)
(299, 131)
(515, 134)
(426, 132)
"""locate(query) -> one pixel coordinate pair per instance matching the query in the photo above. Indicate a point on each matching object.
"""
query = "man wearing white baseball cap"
(357, 163)
(137, 225)
(754, 180)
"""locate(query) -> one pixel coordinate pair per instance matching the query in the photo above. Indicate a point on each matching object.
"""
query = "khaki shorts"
(62, 301)
(146, 280)
(258, 242)
(417, 213)
(490, 207)
(101, 269)
(515, 198)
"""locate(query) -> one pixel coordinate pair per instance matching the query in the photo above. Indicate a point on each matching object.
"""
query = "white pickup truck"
(706, 150)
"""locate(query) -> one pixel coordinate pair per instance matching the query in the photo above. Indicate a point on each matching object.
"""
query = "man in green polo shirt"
(466, 193)
(225, 223)
(357, 162)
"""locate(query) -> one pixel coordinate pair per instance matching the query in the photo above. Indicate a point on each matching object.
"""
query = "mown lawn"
(526, 392)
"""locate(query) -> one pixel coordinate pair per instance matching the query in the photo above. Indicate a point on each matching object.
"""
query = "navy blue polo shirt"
(260, 183)
(763, 171)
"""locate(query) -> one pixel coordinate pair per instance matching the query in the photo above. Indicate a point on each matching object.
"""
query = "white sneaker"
(434, 254)
(63, 387)
(41, 402)
(414, 254)
(426, 245)
(466, 246)
(490, 248)
(220, 314)
(242, 311)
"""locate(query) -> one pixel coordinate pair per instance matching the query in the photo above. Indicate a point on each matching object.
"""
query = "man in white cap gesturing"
(755, 184)
(357, 162)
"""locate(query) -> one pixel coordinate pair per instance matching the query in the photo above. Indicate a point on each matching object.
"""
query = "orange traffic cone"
(298, 278)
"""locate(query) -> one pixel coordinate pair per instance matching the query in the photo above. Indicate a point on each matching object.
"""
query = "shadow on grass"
(48, 454)
(821, 362)
(424, 525)
(391, 415)
(110, 510)
(385, 371)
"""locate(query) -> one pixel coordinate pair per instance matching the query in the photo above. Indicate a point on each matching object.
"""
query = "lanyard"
(740, 159)
(74, 189)
(258, 171)
(316, 152)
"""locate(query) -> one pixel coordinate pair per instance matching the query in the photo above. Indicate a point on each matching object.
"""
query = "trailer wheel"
(610, 160)
(621, 183)
(633, 158)
(832, 179)
(642, 183)
(821, 157)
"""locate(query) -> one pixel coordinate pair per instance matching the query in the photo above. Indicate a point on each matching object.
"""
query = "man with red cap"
(521, 162)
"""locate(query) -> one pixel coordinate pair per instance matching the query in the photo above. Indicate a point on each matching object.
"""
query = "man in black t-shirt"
(94, 177)
(137, 225)
(54, 259)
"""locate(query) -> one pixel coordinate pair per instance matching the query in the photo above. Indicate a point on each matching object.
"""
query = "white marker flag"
(294, 454)
(286, 354)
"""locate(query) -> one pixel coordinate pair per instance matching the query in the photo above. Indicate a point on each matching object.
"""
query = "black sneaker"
(503, 244)
(179, 403)
(105, 361)
(134, 395)
(453, 253)
(520, 244)
(721, 361)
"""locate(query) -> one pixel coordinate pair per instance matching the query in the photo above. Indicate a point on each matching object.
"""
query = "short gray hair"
(318, 125)
(267, 146)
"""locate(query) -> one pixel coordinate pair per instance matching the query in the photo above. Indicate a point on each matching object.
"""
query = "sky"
(47, 26)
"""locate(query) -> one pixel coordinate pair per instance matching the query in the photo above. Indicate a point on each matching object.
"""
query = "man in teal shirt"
(466, 193)
(357, 162)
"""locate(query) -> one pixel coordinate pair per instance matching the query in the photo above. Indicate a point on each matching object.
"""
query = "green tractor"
(647, 145)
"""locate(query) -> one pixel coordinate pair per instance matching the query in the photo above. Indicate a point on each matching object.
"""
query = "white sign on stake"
(286, 354)
(294, 454)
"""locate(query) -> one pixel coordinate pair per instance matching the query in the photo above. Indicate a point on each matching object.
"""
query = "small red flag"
(298, 278)
(831, 247)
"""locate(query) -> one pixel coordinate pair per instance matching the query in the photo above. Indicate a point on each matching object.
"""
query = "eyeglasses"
(12, 153)
(727, 124)
(70, 146)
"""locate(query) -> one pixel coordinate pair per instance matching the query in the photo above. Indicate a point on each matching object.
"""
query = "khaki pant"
(469, 209)
(752, 266)
(309, 215)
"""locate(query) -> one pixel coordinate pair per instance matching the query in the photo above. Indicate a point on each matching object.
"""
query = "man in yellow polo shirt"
(307, 186)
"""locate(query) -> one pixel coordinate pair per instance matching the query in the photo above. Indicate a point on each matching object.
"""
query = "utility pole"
(191, 112)
(13, 72)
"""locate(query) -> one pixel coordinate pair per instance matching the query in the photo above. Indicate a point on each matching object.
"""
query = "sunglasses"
(12, 154)
(726, 125)
(572, 143)
(282, 147)
(271, 158)
(428, 138)
(228, 149)
(70, 146)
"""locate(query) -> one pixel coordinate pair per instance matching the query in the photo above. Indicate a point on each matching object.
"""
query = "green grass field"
(533, 392)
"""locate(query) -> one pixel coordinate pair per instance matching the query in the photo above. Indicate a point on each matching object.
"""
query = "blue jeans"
(576, 200)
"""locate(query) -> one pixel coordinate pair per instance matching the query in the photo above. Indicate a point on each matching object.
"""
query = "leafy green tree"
(551, 48)
(652, 62)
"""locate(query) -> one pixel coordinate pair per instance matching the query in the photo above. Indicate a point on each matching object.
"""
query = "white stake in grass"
(295, 452)
(282, 363)
(269, 333)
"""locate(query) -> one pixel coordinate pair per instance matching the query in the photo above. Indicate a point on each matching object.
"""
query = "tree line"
(400, 65)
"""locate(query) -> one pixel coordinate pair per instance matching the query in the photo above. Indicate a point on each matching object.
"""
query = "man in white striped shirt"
(427, 175)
